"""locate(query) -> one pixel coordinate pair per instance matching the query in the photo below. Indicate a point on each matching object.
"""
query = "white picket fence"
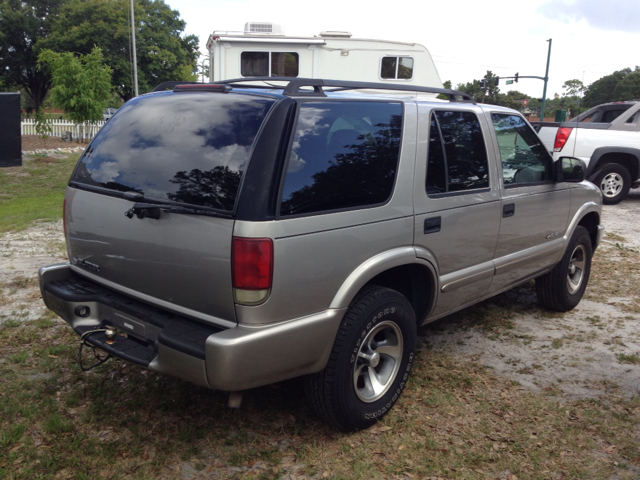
(60, 126)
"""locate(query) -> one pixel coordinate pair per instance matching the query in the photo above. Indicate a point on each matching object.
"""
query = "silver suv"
(235, 236)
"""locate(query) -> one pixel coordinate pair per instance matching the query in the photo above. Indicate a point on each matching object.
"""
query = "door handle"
(508, 210)
(432, 225)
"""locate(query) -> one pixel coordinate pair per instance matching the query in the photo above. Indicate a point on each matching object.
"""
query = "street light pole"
(135, 61)
(546, 79)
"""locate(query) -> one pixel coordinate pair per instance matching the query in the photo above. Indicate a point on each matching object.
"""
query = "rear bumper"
(228, 359)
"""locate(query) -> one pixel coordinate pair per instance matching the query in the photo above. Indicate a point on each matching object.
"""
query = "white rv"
(262, 50)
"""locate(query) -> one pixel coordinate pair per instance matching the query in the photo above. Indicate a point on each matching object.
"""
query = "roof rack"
(294, 87)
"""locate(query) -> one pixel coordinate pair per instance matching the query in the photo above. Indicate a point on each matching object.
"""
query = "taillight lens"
(252, 266)
(562, 135)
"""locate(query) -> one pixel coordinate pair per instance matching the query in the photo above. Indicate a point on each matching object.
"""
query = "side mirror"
(570, 169)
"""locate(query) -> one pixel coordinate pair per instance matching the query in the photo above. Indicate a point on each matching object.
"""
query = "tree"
(162, 52)
(573, 88)
(487, 94)
(43, 126)
(606, 88)
(629, 87)
(81, 85)
(23, 25)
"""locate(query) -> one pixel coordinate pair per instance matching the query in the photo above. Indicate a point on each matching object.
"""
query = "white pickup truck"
(607, 139)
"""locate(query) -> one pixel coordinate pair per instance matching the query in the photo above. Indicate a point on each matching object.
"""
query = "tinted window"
(457, 158)
(265, 64)
(396, 68)
(185, 147)
(284, 64)
(254, 64)
(524, 157)
(344, 155)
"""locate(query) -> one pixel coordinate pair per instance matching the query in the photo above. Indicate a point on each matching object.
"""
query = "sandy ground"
(575, 354)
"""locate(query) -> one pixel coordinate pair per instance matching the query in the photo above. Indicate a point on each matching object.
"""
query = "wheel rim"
(377, 362)
(575, 274)
(611, 185)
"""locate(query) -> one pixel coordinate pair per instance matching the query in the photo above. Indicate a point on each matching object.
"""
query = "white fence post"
(58, 127)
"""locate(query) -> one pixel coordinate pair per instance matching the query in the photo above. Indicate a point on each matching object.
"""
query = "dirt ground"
(576, 353)
(34, 142)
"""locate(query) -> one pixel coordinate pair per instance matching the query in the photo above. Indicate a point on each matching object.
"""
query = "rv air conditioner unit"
(263, 28)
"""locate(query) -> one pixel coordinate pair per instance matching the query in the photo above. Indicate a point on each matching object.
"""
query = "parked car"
(236, 236)
(108, 113)
(607, 139)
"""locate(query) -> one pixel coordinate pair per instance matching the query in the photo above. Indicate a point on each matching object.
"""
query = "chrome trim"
(466, 279)
(514, 261)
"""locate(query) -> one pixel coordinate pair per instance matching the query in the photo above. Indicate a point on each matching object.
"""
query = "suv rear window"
(344, 155)
(184, 147)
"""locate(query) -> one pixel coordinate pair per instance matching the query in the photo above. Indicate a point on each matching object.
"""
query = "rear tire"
(614, 181)
(562, 288)
(369, 363)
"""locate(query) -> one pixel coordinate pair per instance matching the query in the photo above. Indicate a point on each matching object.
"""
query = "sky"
(590, 38)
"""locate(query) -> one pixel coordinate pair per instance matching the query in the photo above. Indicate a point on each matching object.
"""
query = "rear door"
(534, 209)
(456, 201)
(184, 150)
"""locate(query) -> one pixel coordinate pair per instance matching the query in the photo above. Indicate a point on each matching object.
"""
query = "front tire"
(562, 288)
(369, 363)
(614, 181)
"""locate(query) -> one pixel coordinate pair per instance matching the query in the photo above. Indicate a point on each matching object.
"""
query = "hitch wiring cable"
(83, 342)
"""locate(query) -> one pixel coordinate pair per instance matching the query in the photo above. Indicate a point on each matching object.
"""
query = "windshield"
(183, 147)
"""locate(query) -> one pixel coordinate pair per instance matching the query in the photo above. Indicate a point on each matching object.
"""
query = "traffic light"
(516, 79)
(497, 81)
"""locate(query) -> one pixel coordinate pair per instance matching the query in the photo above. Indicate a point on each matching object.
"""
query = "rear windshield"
(184, 147)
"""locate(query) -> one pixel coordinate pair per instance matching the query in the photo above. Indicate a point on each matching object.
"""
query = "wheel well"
(415, 282)
(628, 161)
(591, 221)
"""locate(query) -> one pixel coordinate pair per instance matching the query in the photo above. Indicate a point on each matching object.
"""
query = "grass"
(455, 420)
(34, 191)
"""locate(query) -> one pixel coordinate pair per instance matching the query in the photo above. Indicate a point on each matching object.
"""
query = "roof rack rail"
(294, 85)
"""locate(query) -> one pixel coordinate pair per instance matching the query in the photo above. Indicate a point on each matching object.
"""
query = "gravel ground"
(575, 353)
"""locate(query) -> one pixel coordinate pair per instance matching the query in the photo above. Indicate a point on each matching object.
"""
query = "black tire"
(378, 318)
(614, 181)
(562, 288)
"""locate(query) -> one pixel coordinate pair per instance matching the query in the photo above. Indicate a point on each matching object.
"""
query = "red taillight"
(562, 136)
(64, 217)
(252, 263)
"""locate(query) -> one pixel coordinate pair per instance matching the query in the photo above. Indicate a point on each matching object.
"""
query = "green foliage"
(162, 52)
(24, 24)
(619, 86)
(574, 88)
(43, 125)
(81, 86)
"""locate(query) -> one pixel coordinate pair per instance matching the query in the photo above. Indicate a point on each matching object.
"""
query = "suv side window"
(344, 155)
(524, 157)
(457, 159)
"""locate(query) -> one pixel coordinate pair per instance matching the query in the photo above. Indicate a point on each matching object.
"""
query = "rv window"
(396, 68)
(273, 64)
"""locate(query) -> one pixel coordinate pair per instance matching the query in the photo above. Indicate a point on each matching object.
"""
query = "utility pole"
(546, 79)
(135, 61)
